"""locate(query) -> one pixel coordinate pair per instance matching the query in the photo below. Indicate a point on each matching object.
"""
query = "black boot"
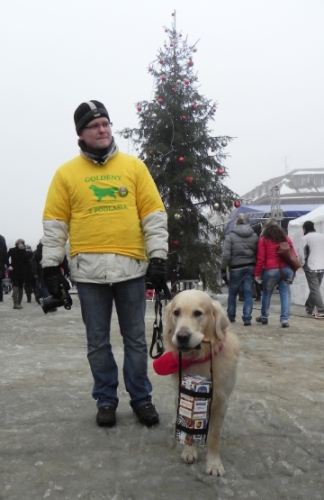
(15, 292)
(20, 296)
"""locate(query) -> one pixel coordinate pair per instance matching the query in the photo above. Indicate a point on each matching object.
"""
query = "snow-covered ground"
(273, 441)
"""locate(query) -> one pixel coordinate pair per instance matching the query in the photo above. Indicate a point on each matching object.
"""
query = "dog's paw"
(214, 466)
(189, 454)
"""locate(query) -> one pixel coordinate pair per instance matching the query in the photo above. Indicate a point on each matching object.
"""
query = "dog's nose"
(183, 337)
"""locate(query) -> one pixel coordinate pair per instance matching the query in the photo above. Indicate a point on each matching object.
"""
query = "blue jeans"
(241, 277)
(272, 278)
(96, 306)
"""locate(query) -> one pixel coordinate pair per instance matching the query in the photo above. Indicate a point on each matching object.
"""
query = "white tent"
(299, 288)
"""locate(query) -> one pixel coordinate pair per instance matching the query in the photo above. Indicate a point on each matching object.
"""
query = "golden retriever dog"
(191, 317)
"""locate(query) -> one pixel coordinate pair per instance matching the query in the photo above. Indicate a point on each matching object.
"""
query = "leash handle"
(157, 340)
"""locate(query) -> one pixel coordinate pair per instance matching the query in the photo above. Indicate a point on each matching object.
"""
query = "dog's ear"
(168, 328)
(168, 322)
(221, 320)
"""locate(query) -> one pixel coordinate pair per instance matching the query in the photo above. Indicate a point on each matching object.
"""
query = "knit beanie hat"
(88, 111)
(309, 226)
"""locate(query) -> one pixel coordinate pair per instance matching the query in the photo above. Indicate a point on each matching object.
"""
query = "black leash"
(157, 341)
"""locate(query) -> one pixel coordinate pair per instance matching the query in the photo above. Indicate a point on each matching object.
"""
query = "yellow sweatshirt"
(104, 204)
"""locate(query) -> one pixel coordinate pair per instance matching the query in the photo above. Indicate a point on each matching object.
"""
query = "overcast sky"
(261, 60)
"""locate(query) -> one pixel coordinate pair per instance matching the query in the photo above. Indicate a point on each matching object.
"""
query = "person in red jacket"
(268, 263)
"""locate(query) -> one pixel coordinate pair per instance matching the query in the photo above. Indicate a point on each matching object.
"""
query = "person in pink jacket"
(268, 264)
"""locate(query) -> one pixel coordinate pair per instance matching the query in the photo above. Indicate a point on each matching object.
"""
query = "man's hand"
(157, 275)
(258, 279)
(55, 281)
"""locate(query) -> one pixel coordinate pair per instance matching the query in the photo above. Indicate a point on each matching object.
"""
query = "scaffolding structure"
(276, 211)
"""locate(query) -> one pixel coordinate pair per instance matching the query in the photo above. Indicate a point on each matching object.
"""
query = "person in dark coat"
(239, 255)
(16, 260)
(3, 260)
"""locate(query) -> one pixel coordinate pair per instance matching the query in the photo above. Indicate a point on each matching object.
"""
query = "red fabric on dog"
(168, 363)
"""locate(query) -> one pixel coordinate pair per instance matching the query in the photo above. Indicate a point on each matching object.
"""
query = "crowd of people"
(251, 264)
(21, 272)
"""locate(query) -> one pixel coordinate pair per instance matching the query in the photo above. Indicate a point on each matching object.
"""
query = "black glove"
(224, 276)
(55, 281)
(156, 274)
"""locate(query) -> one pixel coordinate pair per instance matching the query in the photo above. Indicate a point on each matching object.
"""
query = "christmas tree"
(185, 160)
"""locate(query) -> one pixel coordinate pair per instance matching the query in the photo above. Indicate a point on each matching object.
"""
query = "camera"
(50, 303)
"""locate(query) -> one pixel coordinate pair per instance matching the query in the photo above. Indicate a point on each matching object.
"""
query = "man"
(3, 260)
(108, 205)
(239, 254)
(16, 261)
(311, 255)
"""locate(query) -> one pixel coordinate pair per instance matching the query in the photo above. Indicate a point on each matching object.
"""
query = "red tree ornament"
(161, 61)
(160, 100)
(214, 110)
(163, 78)
(181, 159)
(175, 242)
(220, 171)
(183, 117)
(187, 81)
(189, 179)
(190, 63)
(173, 89)
(149, 69)
(194, 106)
(139, 108)
(237, 204)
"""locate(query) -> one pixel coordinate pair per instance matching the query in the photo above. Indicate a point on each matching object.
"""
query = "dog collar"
(208, 356)
(168, 363)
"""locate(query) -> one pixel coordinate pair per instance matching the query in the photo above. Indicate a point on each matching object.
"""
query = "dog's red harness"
(168, 363)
